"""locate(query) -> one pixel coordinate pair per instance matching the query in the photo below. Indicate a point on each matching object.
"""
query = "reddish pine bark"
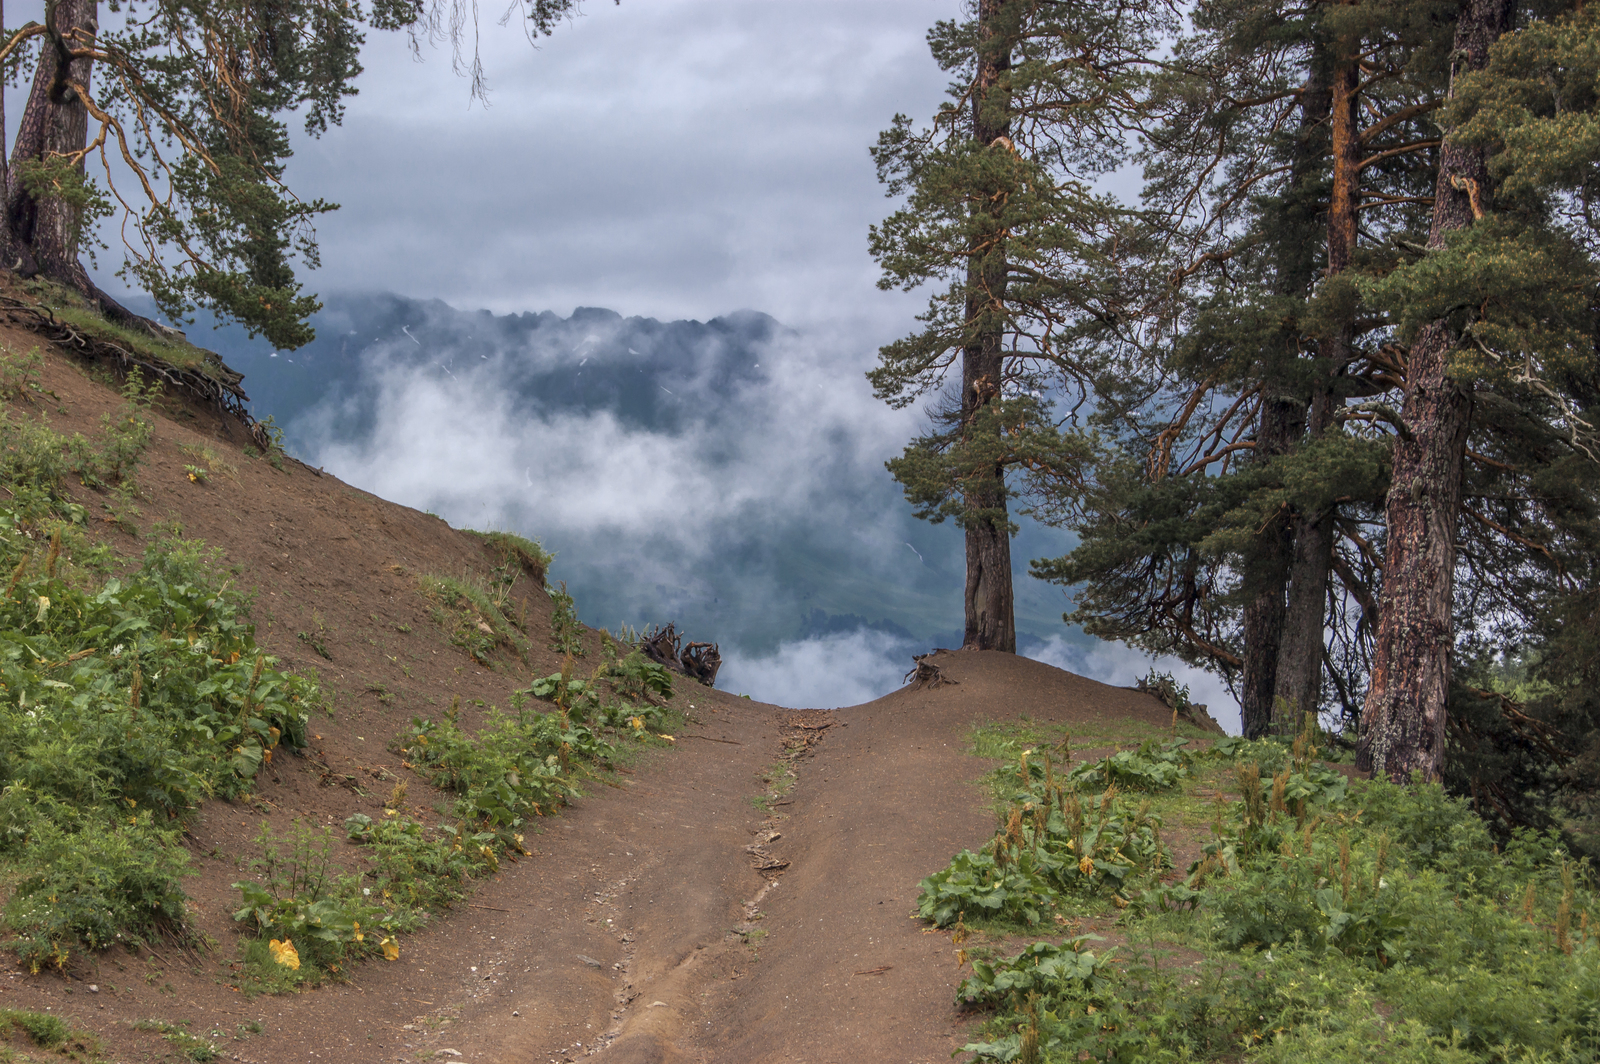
(1298, 687)
(1403, 720)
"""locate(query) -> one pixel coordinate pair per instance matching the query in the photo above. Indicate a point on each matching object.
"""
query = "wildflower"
(285, 954)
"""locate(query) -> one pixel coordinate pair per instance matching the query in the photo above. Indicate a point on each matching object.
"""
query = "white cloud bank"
(825, 672)
(458, 445)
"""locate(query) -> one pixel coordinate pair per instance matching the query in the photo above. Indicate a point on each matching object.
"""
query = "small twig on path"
(876, 971)
(491, 908)
(710, 739)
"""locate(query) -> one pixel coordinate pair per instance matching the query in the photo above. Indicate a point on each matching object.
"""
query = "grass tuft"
(527, 554)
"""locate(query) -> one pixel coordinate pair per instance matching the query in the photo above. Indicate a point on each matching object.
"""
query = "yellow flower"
(637, 722)
(284, 953)
(1086, 865)
(391, 949)
(359, 936)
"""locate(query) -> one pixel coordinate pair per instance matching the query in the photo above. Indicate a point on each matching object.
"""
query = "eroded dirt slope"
(667, 916)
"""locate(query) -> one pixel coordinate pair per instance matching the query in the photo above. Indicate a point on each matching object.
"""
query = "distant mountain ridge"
(643, 370)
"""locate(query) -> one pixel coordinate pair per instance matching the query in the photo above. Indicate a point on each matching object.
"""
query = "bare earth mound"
(696, 908)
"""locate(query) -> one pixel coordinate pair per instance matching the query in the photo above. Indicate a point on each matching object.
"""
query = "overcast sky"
(669, 158)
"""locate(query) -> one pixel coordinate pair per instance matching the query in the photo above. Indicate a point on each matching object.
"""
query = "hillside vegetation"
(1312, 917)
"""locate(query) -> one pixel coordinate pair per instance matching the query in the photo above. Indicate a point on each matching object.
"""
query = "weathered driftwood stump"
(701, 661)
(660, 645)
(698, 661)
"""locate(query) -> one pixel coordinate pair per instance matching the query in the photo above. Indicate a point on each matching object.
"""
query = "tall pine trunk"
(1267, 576)
(1283, 419)
(1299, 677)
(990, 621)
(1403, 720)
(55, 123)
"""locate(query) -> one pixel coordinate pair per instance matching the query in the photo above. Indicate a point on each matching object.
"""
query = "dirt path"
(701, 957)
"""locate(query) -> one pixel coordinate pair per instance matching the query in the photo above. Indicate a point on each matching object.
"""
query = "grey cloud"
(673, 158)
(453, 443)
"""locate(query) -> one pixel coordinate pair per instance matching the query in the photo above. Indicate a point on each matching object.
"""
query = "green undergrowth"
(310, 920)
(480, 614)
(70, 307)
(1064, 838)
(130, 692)
(1323, 921)
(566, 633)
(127, 701)
(1004, 740)
(188, 1045)
(526, 554)
(528, 762)
(483, 614)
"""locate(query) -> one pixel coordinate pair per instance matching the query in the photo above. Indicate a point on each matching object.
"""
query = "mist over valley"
(726, 475)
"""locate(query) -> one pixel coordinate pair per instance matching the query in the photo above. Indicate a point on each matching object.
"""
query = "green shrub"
(1152, 767)
(636, 677)
(136, 697)
(514, 769)
(518, 554)
(566, 633)
(420, 871)
(1053, 842)
(93, 888)
(477, 614)
(46, 1031)
(1042, 968)
(976, 883)
(301, 900)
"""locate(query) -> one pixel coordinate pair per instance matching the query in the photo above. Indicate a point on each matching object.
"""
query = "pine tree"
(1231, 532)
(1500, 450)
(998, 208)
